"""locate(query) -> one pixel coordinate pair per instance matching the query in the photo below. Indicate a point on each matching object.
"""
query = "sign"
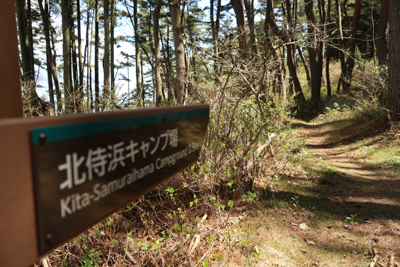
(83, 172)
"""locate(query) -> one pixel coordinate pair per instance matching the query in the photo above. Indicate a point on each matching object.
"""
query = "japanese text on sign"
(101, 160)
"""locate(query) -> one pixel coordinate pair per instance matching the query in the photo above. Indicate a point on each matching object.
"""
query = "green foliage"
(91, 258)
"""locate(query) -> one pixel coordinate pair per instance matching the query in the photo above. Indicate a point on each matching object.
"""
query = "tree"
(137, 55)
(106, 92)
(157, 53)
(26, 45)
(249, 4)
(381, 48)
(241, 26)
(180, 66)
(394, 59)
(285, 37)
(347, 72)
(96, 58)
(112, 57)
(66, 29)
(314, 51)
(46, 27)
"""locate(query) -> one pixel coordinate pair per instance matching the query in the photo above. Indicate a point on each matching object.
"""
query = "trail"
(361, 187)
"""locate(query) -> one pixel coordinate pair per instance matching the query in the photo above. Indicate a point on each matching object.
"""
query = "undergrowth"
(187, 221)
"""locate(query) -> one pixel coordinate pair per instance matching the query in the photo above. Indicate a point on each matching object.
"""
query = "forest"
(287, 81)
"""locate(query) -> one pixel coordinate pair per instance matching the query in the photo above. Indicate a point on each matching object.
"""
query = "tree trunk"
(249, 4)
(241, 27)
(214, 35)
(30, 36)
(347, 75)
(270, 21)
(78, 8)
(25, 42)
(90, 93)
(177, 30)
(157, 53)
(394, 60)
(328, 52)
(303, 60)
(46, 28)
(341, 53)
(77, 92)
(87, 55)
(56, 78)
(381, 48)
(66, 29)
(169, 69)
(106, 90)
(112, 63)
(314, 51)
(96, 59)
(137, 56)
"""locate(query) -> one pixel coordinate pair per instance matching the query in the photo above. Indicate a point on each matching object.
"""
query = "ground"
(348, 199)
(333, 200)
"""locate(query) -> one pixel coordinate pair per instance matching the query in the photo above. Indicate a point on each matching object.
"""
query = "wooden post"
(10, 87)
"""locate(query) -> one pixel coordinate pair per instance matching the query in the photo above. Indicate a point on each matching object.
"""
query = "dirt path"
(360, 189)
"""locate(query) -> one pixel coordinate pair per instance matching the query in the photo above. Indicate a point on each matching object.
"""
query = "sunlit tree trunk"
(348, 73)
(137, 56)
(96, 59)
(328, 51)
(157, 53)
(66, 29)
(77, 93)
(56, 79)
(112, 63)
(270, 20)
(241, 27)
(78, 8)
(177, 29)
(249, 4)
(106, 90)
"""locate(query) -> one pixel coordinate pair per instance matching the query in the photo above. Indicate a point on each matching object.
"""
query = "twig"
(45, 262)
(375, 259)
(130, 256)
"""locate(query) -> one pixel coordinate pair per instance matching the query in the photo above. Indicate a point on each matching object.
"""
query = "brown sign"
(84, 172)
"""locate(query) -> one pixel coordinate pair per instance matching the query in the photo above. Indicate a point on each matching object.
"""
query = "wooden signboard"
(61, 175)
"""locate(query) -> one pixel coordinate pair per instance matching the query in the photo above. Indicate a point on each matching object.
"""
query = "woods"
(177, 42)
(260, 66)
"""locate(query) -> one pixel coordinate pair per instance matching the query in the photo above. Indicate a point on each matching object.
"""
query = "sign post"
(10, 99)
(61, 175)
